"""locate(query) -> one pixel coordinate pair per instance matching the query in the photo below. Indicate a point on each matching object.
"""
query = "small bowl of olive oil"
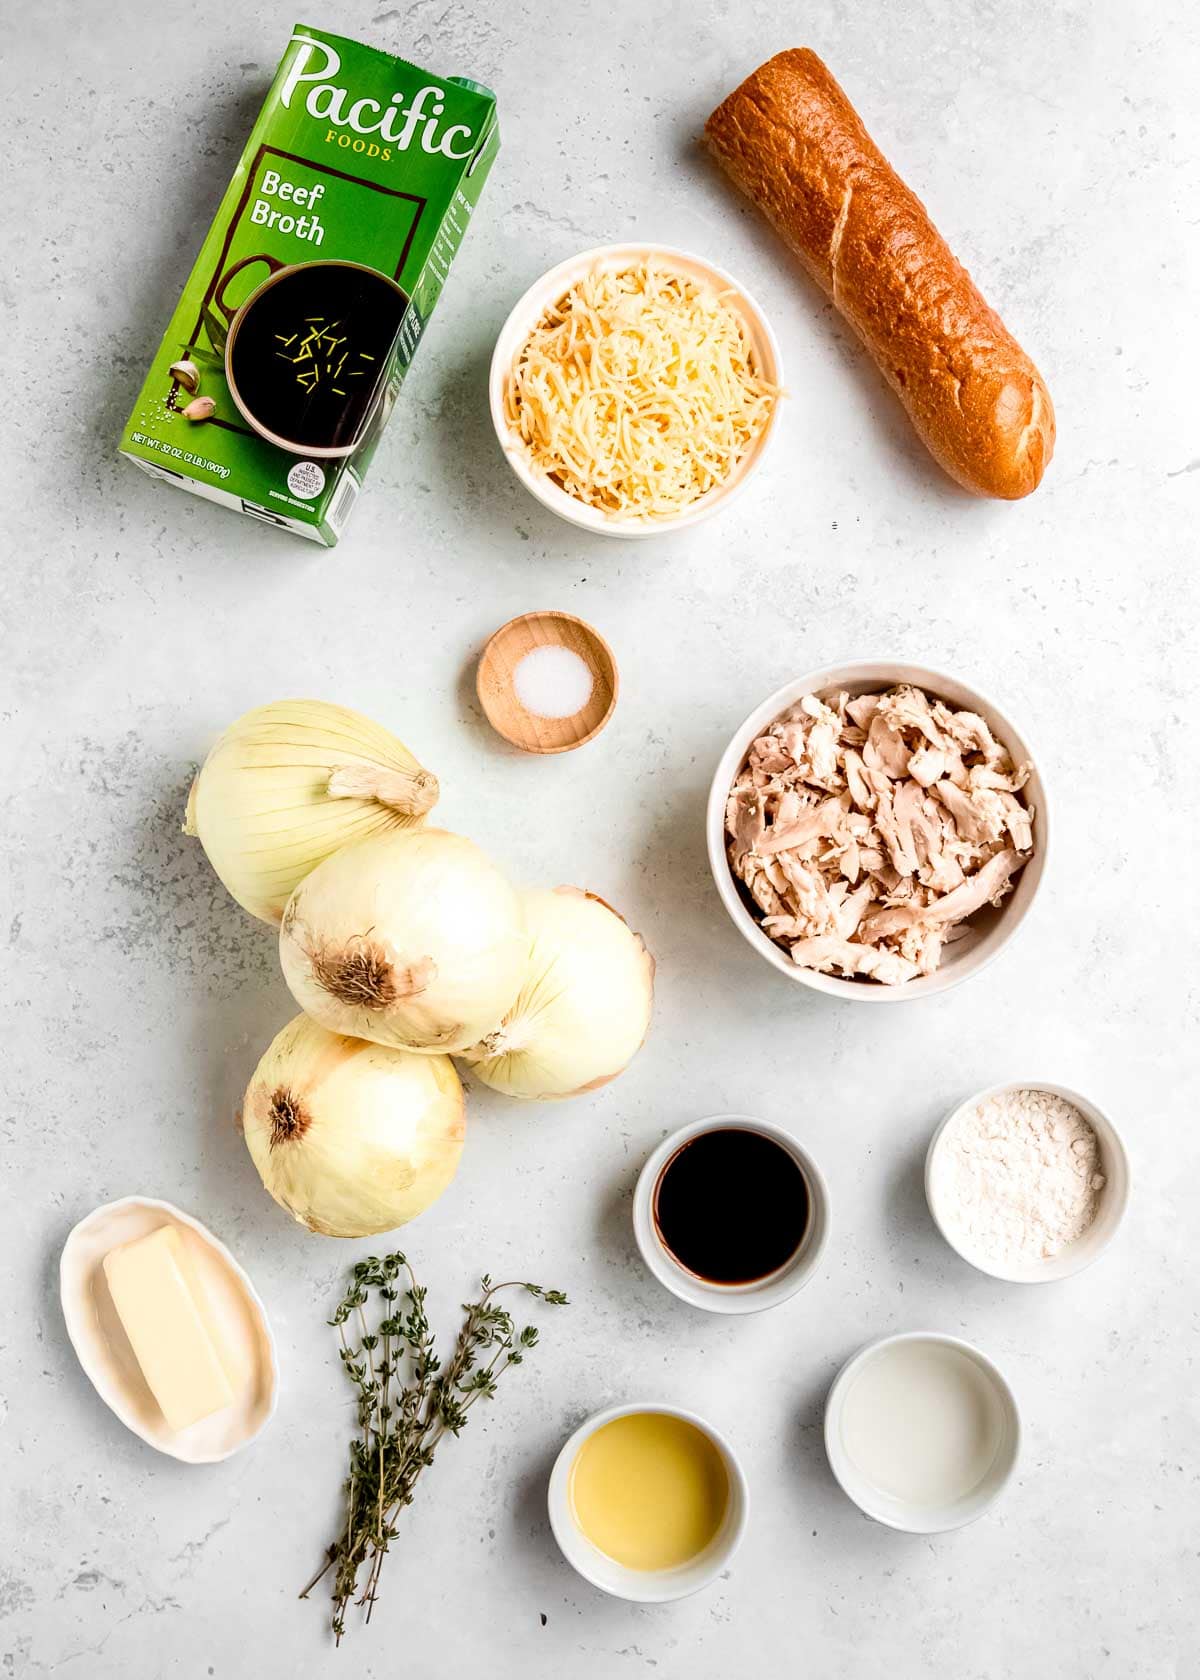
(648, 1502)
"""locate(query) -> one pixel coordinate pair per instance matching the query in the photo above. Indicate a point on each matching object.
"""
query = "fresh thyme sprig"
(406, 1403)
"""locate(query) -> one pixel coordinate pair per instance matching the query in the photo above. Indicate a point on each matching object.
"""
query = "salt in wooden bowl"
(513, 702)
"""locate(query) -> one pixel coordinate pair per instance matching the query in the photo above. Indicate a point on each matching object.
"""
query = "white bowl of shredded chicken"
(877, 831)
(634, 389)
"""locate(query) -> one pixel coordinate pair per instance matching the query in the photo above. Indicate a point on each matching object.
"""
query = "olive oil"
(649, 1490)
(731, 1206)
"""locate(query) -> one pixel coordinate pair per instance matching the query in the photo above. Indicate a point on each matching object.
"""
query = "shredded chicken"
(866, 830)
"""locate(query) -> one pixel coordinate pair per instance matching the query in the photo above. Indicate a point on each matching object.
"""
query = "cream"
(922, 1423)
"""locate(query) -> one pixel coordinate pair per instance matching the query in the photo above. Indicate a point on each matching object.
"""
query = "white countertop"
(1057, 148)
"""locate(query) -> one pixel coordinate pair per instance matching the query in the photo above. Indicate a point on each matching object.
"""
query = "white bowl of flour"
(1027, 1181)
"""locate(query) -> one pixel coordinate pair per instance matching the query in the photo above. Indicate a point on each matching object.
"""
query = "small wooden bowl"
(495, 685)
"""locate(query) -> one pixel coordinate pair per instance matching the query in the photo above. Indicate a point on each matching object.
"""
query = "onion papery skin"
(262, 804)
(584, 1010)
(352, 1138)
(414, 940)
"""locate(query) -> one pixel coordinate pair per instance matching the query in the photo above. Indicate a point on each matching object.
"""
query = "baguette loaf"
(794, 144)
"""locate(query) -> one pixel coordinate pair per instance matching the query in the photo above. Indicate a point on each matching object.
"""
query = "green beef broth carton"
(311, 292)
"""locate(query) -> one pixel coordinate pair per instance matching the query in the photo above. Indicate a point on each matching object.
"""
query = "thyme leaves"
(407, 1402)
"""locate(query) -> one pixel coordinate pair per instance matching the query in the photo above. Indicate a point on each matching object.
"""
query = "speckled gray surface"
(1058, 147)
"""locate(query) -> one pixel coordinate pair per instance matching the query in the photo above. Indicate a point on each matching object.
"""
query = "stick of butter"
(163, 1310)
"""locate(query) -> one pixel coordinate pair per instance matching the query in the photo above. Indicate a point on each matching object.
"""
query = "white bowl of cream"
(921, 1431)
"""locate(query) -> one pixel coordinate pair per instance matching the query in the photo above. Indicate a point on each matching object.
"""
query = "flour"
(1017, 1178)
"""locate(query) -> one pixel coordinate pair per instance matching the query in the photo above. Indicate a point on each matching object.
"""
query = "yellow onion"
(352, 1138)
(290, 783)
(414, 940)
(584, 1009)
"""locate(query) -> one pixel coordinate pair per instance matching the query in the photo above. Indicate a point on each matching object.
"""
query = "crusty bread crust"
(796, 147)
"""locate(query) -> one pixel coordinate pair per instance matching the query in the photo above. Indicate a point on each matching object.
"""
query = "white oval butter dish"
(103, 1347)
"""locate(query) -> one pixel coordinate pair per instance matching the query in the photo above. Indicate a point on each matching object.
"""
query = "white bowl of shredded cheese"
(634, 389)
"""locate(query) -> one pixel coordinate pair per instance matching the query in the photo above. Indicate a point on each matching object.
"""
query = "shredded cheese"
(637, 392)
